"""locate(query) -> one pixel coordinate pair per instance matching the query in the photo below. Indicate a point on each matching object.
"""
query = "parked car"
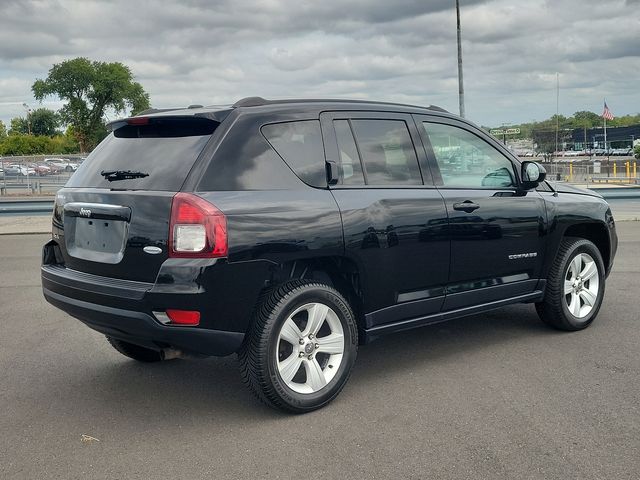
(42, 169)
(26, 171)
(292, 231)
(62, 164)
(12, 170)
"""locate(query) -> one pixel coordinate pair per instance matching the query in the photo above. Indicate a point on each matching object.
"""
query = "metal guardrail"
(32, 184)
(26, 207)
(29, 207)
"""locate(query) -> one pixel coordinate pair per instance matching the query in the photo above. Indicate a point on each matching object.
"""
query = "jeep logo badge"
(85, 212)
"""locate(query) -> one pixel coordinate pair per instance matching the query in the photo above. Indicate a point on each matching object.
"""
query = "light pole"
(28, 109)
(460, 82)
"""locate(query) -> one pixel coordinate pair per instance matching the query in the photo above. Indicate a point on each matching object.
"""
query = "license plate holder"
(94, 239)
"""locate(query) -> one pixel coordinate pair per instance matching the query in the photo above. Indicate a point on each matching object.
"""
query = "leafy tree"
(19, 126)
(90, 88)
(3, 130)
(44, 122)
(19, 144)
(586, 119)
(636, 151)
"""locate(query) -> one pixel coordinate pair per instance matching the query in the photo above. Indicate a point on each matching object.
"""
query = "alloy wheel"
(310, 348)
(581, 285)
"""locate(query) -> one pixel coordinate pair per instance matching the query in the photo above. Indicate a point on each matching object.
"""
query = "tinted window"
(350, 167)
(467, 161)
(387, 152)
(300, 145)
(165, 150)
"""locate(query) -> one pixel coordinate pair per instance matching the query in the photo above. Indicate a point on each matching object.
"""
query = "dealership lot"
(492, 396)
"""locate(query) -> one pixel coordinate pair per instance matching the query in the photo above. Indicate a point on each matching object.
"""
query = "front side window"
(467, 161)
(300, 146)
(387, 152)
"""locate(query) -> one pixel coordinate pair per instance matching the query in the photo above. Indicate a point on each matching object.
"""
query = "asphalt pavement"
(493, 396)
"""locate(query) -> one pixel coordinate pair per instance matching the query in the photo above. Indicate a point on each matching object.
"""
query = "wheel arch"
(596, 233)
(338, 272)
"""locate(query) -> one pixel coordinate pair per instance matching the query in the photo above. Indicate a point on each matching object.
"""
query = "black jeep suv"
(292, 231)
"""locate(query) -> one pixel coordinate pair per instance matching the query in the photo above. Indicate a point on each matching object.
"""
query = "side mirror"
(532, 174)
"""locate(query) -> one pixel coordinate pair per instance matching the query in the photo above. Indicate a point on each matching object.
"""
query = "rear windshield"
(160, 155)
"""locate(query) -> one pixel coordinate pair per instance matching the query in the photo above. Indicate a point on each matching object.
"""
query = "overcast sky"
(200, 51)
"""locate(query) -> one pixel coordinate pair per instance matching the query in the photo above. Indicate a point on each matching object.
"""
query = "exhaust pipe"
(171, 354)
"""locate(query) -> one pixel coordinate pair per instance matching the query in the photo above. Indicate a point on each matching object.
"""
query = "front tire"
(301, 348)
(575, 286)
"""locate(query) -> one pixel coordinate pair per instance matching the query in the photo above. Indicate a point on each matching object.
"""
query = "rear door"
(119, 200)
(496, 230)
(394, 220)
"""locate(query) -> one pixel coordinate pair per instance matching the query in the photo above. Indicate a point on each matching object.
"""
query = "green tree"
(90, 88)
(3, 130)
(636, 151)
(19, 144)
(586, 119)
(19, 126)
(44, 122)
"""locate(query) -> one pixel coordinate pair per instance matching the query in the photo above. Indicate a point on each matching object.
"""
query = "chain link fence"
(595, 172)
(32, 175)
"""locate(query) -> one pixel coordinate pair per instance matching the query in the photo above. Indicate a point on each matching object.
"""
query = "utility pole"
(555, 154)
(28, 109)
(460, 82)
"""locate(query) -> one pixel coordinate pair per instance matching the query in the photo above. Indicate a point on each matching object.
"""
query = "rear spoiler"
(152, 115)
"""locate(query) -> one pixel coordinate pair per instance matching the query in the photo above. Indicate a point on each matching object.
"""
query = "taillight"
(197, 228)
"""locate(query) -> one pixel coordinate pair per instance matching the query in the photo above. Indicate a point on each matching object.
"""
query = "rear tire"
(300, 350)
(135, 352)
(575, 286)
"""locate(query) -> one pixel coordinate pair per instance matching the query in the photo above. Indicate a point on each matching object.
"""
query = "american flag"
(606, 114)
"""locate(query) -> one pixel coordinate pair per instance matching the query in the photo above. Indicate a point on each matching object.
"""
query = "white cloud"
(198, 51)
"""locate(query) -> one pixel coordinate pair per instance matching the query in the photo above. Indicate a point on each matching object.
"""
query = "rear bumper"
(225, 295)
(142, 329)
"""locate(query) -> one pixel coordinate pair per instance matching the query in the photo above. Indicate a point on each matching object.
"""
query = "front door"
(496, 229)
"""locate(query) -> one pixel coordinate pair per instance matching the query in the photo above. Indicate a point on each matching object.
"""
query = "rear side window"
(387, 151)
(163, 150)
(350, 167)
(300, 146)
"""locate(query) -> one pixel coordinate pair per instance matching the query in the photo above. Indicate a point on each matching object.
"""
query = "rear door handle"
(466, 206)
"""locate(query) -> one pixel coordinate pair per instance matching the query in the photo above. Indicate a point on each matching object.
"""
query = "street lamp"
(28, 109)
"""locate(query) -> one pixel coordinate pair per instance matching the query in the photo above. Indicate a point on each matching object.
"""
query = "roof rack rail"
(259, 101)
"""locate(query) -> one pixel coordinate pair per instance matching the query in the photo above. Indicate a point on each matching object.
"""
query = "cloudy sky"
(201, 51)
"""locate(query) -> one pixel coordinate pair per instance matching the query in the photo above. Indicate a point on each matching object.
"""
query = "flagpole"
(605, 136)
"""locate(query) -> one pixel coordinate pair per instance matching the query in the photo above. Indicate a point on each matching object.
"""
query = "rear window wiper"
(113, 175)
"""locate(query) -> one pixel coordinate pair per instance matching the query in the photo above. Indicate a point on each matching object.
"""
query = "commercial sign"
(507, 131)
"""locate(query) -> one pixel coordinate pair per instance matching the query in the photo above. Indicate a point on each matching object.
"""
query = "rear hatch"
(112, 217)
